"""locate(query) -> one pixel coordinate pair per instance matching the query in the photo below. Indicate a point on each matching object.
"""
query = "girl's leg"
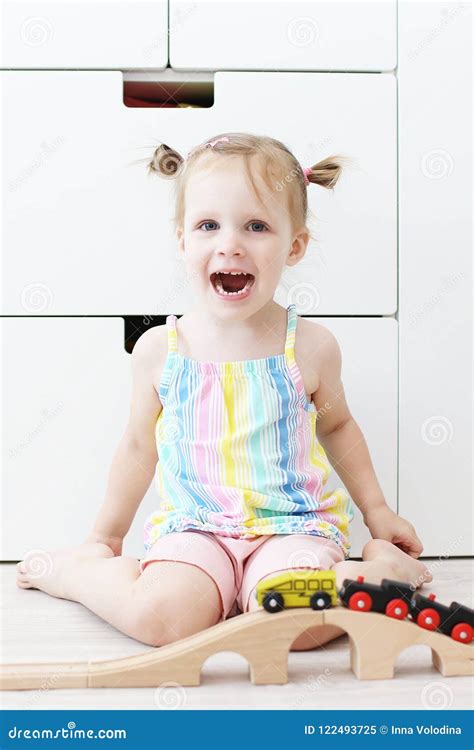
(168, 601)
(381, 559)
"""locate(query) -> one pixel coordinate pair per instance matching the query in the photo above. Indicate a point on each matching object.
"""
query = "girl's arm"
(347, 451)
(135, 459)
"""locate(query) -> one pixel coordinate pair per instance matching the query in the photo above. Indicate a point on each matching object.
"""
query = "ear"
(298, 247)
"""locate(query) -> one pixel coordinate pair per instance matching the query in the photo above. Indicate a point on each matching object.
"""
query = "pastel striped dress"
(238, 453)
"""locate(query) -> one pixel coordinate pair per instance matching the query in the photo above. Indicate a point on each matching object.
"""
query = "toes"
(23, 584)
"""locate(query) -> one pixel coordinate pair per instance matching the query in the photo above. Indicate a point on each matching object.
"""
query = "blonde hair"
(279, 169)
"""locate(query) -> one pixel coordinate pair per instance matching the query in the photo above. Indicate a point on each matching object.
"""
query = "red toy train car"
(397, 599)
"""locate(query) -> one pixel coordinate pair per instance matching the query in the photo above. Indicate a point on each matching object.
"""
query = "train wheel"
(428, 619)
(397, 608)
(462, 632)
(361, 601)
(273, 602)
(320, 600)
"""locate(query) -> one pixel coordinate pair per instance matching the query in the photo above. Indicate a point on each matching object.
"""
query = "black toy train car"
(396, 599)
(392, 598)
(457, 620)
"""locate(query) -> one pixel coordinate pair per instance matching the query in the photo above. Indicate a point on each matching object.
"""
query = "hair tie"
(218, 140)
(209, 144)
(306, 172)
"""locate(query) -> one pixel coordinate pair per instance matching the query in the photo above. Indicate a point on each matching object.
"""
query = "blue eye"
(261, 226)
(207, 222)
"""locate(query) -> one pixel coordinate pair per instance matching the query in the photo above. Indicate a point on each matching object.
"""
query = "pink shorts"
(237, 565)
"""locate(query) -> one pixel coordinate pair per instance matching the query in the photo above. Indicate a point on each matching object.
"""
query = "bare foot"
(406, 568)
(48, 570)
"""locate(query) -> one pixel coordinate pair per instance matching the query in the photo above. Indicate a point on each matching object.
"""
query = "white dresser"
(87, 237)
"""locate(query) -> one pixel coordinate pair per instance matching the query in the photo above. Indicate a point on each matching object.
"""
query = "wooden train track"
(264, 640)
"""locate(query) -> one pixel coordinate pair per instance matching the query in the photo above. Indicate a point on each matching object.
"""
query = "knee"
(170, 612)
(161, 619)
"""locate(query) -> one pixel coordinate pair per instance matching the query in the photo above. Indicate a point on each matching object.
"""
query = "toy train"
(317, 589)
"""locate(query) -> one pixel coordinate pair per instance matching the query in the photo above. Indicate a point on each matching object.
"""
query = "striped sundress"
(238, 453)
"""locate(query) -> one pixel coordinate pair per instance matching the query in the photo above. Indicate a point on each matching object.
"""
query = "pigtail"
(327, 172)
(166, 162)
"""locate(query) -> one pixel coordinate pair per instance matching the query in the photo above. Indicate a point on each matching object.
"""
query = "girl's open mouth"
(232, 286)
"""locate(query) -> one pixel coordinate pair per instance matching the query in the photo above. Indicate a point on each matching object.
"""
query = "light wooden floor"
(37, 627)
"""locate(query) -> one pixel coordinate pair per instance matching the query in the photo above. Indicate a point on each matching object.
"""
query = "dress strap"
(291, 333)
(290, 354)
(170, 357)
(172, 333)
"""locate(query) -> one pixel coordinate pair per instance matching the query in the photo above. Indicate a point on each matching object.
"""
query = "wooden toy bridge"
(264, 640)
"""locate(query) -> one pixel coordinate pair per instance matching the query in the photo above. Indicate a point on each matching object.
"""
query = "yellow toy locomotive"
(317, 589)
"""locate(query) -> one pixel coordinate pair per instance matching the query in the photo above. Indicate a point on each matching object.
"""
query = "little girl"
(230, 399)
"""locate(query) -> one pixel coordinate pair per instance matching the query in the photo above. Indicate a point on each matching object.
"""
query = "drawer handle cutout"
(168, 89)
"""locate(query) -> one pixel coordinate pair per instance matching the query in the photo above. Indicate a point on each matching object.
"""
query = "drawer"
(65, 403)
(369, 374)
(284, 35)
(100, 34)
(64, 407)
(84, 223)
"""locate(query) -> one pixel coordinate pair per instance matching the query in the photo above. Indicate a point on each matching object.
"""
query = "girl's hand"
(384, 523)
(114, 542)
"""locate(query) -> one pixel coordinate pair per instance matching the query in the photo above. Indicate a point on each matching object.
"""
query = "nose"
(230, 245)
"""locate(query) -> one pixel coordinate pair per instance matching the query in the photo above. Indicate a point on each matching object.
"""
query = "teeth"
(221, 289)
(235, 273)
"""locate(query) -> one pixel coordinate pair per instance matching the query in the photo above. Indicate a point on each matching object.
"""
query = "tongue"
(233, 283)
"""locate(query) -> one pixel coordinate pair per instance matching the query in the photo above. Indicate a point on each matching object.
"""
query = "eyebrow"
(261, 215)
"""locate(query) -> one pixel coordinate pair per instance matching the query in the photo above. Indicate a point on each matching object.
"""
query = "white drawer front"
(99, 34)
(89, 230)
(270, 35)
(65, 401)
(64, 406)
